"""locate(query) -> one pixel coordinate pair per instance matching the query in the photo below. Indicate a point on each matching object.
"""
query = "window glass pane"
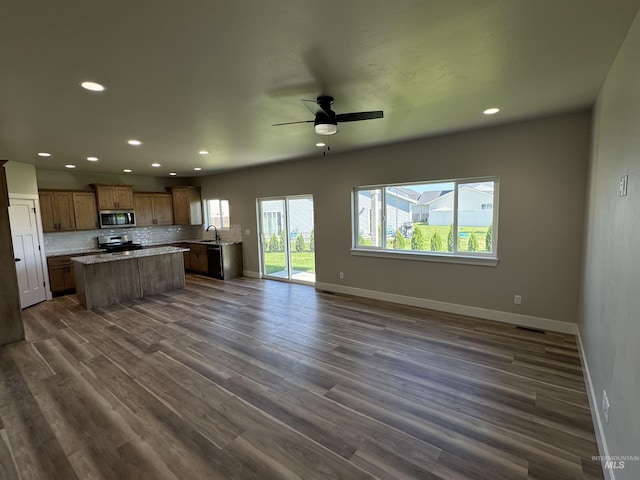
(224, 212)
(218, 211)
(432, 217)
(475, 217)
(369, 217)
(399, 202)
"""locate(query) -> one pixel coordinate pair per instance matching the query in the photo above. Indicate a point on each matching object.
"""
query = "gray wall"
(542, 166)
(610, 324)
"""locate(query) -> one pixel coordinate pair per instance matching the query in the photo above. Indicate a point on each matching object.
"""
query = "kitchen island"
(110, 278)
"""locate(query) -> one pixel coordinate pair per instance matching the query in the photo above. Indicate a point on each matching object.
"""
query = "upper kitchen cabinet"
(68, 210)
(187, 205)
(112, 197)
(85, 212)
(153, 208)
(56, 209)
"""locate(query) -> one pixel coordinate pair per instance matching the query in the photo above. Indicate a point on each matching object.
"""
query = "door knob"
(17, 259)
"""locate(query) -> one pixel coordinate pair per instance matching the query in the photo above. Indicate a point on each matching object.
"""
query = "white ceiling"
(182, 75)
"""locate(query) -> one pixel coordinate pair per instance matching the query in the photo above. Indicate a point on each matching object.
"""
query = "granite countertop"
(75, 251)
(112, 257)
(207, 242)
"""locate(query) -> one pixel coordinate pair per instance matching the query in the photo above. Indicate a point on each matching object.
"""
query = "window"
(217, 212)
(453, 218)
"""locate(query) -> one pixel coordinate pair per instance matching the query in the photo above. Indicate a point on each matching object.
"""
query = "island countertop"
(131, 254)
(110, 278)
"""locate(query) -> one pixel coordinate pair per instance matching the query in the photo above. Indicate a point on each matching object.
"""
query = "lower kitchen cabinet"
(61, 275)
(198, 258)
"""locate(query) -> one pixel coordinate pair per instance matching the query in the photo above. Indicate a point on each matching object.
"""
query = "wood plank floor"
(254, 379)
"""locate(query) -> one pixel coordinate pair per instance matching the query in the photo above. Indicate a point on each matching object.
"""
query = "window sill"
(426, 257)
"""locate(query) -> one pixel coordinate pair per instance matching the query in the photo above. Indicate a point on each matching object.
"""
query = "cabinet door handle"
(17, 259)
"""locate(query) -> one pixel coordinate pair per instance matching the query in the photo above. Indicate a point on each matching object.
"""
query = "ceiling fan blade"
(313, 106)
(291, 123)
(357, 116)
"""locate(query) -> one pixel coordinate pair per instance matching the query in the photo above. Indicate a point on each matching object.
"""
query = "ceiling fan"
(326, 120)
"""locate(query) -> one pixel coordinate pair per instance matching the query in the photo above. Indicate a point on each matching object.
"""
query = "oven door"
(117, 218)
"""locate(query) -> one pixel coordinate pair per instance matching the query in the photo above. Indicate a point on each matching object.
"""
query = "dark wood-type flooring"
(254, 379)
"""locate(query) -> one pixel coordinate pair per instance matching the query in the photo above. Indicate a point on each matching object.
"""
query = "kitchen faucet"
(217, 238)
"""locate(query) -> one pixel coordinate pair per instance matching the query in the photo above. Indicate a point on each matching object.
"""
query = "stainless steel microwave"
(117, 218)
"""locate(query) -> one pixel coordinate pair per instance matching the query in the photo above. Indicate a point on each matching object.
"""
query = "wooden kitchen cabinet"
(187, 205)
(85, 212)
(110, 197)
(56, 210)
(61, 274)
(198, 258)
(153, 208)
(68, 210)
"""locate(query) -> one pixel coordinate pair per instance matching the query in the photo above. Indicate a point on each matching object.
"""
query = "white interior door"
(26, 251)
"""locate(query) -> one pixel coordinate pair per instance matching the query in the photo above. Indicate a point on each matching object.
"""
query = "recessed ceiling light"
(93, 86)
(44, 154)
(155, 165)
(173, 174)
(320, 144)
(126, 170)
(197, 169)
(134, 142)
(491, 111)
(92, 159)
(70, 166)
(204, 152)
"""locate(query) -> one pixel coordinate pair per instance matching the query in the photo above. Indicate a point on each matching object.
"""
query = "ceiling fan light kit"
(326, 128)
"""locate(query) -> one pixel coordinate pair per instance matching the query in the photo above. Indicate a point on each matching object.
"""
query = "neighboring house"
(300, 217)
(400, 201)
(420, 211)
(475, 207)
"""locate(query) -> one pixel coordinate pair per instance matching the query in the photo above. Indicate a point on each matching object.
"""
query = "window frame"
(455, 256)
(207, 211)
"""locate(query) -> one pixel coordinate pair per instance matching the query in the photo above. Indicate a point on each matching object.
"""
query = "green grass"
(300, 261)
(428, 231)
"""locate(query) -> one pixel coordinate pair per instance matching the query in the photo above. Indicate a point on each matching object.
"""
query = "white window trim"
(426, 256)
(208, 213)
(483, 259)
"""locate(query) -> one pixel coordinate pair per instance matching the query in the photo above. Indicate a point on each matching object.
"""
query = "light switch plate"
(624, 181)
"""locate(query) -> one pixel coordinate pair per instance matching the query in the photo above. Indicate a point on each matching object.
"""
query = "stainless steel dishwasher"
(214, 258)
(224, 260)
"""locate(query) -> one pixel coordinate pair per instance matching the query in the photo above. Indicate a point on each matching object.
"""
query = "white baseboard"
(250, 274)
(603, 449)
(505, 317)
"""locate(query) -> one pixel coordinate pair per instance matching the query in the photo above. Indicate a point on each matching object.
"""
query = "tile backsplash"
(61, 243)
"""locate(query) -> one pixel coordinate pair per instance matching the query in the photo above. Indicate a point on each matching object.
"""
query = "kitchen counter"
(209, 242)
(116, 256)
(75, 251)
(110, 278)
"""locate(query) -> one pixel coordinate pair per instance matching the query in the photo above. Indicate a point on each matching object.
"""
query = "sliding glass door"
(287, 244)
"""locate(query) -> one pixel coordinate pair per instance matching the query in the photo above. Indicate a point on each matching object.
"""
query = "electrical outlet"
(341, 275)
(247, 232)
(605, 406)
(517, 299)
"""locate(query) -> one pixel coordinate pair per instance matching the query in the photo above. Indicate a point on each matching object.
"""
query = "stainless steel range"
(117, 243)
